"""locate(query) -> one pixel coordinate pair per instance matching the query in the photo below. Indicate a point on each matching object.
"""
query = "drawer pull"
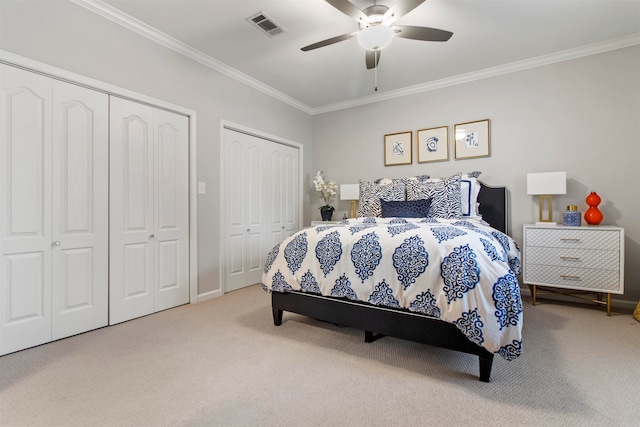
(567, 239)
(570, 258)
(567, 277)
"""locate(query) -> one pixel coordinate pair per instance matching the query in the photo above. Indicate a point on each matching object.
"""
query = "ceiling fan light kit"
(376, 37)
(376, 29)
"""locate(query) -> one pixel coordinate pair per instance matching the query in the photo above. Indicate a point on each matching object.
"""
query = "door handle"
(56, 243)
(151, 236)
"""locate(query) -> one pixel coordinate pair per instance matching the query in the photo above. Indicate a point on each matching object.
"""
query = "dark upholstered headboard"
(493, 206)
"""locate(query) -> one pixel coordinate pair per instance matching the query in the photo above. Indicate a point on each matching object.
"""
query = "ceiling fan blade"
(422, 33)
(327, 42)
(349, 9)
(400, 8)
(372, 57)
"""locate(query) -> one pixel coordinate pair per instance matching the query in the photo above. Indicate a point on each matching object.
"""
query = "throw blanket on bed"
(459, 271)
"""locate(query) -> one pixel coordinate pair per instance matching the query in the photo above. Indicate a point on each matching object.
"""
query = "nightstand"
(585, 259)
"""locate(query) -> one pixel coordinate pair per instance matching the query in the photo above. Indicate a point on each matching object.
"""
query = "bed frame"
(379, 321)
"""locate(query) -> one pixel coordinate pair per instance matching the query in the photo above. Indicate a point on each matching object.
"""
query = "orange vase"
(593, 216)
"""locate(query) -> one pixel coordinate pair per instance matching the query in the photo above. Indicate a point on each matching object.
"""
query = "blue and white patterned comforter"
(460, 271)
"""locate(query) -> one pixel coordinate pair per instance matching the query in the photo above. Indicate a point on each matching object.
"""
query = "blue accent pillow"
(406, 209)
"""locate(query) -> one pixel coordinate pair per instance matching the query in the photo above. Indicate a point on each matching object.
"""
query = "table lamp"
(545, 185)
(350, 192)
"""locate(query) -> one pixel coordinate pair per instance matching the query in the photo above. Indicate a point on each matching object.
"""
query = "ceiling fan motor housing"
(375, 14)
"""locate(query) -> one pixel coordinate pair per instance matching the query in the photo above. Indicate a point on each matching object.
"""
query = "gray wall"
(580, 116)
(67, 36)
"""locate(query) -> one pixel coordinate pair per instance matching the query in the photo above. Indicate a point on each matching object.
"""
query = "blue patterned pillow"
(371, 193)
(406, 209)
(444, 194)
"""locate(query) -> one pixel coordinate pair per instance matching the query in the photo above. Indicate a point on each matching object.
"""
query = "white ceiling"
(490, 36)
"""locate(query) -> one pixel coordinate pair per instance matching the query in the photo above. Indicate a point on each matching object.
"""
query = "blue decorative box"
(571, 217)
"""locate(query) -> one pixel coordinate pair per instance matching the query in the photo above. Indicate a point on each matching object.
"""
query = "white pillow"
(469, 190)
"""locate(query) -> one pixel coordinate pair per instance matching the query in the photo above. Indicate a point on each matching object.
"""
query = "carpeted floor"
(224, 363)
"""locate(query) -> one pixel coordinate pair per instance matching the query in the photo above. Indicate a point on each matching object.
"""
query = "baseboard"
(620, 303)
(209, 295)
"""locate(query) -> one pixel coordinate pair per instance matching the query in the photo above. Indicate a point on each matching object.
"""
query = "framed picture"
(473, 139)
(397, 149)
(433, 144)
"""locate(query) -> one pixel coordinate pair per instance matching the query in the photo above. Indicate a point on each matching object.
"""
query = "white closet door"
(284, 193)
(25, 211)
(260, 203)
(131, 289)
(246, 218)
(171, 251)
(149, 210)
(80, 203)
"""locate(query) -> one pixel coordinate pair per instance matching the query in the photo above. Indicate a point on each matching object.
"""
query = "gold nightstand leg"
(608, 304)
(534, 292)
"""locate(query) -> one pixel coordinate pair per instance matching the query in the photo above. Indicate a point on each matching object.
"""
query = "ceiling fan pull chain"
(375, 72)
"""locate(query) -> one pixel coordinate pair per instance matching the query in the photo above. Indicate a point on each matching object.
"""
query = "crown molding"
(163, 39)
(139, 27)
(513, 67)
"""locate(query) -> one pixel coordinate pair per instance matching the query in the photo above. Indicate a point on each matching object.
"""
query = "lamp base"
(353, 209)
(549, 223)
(545, 199)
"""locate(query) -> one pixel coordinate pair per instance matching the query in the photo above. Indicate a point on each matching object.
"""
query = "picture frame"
(433, 144)
(472, 139)
(397, 148)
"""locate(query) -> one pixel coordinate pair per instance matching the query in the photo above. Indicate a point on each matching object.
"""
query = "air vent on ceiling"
(265, 24)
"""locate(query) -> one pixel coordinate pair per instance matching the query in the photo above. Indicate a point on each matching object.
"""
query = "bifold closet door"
(246, 219)
(25, 213)
(149, 246)
(260, 203)
(284, 192)
(80, 198)
(53, 209)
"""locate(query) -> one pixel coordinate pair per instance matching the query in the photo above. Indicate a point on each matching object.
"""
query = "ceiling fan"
(377, 29)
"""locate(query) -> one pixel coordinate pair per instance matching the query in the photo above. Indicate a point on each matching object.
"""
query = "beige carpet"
(224, 363)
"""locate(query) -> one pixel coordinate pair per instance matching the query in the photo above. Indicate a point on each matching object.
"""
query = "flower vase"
(326, 212)
(593, 216)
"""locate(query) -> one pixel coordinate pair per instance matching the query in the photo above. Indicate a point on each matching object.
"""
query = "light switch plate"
(202, 188)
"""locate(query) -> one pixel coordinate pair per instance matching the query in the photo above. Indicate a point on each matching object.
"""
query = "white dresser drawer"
(580, 258)
(574, 278)
(570, 238)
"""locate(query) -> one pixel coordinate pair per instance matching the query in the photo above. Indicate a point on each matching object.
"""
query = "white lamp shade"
(547, 183)
(375, 37)
(349, 191)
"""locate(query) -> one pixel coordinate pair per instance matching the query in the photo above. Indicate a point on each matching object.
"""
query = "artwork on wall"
(472, 139)
(397, 149)
(433, 144)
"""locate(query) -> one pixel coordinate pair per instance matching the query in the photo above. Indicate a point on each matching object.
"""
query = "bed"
(444, 281)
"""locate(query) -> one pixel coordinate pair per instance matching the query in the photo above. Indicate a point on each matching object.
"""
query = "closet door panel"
(80, 203)
(171, 262)
(131, 211)
(25, 210)
(256, 214)
(233, 211)
(245, 171)
(284, 192)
